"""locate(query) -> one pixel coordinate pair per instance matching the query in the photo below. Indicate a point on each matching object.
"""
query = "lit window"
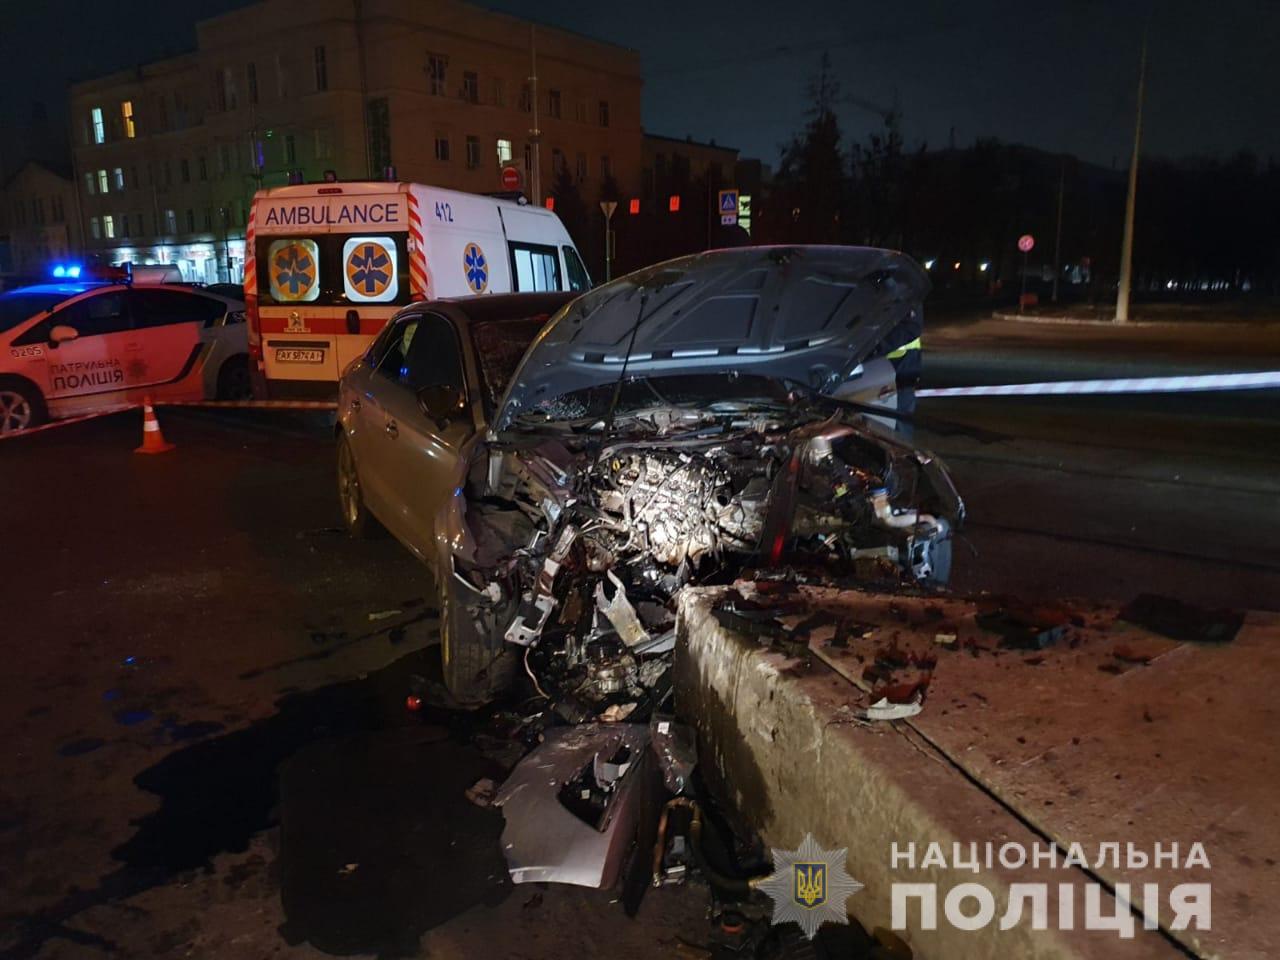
(294, 269)
(473, 152)
(126, 115)
(118, 177)
(504, 151)
(103, 186)
(170, 221)
(370, 273)
(99, 126)
(109, 227)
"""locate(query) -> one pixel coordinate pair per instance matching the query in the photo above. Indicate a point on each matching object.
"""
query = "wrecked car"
(566, 467)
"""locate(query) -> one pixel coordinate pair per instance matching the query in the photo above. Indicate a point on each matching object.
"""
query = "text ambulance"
(327, 264)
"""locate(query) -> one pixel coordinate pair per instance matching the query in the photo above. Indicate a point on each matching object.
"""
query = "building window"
(124, 225)
(118, 178)
(37, 211)
(470, 87)
(224, 159)
(442, 147)
(604, 113)
(126, 117)
(137, 220)
(170, 222)
(528, 157)
(582, 167)
(499, 92)
(99, 126)
(208, 219)
(324, 143)
(436, 67)
(473, 152)
(202, 167)
(580, 111)
(251, 74)
(168, 173)
(90, 183)
(322, 70)
(191, 220)
(504, 151)
(109, 227)
(379, 134)
(184, 167)
(102, 181)
(133, 176)
(557, 160)
(553, 103)
(95, 228)
(526, 98)
(606, 168)
(282, 78)
(57, 209)
(290, 150)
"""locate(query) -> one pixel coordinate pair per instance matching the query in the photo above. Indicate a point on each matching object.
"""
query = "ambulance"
(327, 264)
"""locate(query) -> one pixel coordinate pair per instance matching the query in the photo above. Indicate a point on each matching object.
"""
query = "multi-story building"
(39, 221)
(167, 156)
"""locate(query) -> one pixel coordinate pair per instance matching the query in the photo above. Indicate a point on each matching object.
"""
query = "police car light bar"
(66, 271)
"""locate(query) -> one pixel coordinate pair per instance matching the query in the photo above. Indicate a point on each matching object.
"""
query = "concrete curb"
(1112, 325)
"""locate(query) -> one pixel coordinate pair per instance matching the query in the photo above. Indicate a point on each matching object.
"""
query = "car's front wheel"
(21, 406)
(233, 379)
(360, 523)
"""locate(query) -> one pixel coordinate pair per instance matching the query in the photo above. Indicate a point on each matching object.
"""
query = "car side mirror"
(442, 402)
(61, 334)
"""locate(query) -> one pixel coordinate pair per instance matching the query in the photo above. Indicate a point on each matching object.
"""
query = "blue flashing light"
(73, 271)
(59, 271)
(66, 271)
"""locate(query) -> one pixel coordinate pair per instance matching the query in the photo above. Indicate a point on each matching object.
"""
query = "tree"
(810, 195)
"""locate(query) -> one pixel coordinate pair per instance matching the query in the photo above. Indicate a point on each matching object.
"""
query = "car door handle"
(393, 431)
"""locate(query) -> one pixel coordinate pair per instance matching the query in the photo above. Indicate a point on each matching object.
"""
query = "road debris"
(481, 792)
(884, 709)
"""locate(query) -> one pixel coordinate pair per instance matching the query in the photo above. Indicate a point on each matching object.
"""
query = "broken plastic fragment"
(882, 709)
(621, 613)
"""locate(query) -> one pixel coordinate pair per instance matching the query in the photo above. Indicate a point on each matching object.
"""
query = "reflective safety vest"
(902, 350)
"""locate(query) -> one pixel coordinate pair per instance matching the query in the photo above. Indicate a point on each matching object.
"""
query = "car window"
(435, 357)
(391, 362)
(158, 308)
(19, 305)
(536, 267)
(92, 317)
(579, 279)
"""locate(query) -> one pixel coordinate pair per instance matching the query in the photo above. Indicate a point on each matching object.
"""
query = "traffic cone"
(152, 439)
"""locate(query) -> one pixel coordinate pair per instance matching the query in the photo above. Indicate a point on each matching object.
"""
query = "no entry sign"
(510, 178)
(1026, 242)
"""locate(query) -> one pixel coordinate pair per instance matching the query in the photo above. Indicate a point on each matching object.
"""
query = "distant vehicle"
(681, 422)
(327, 264)
(156, 273)
(73, 348)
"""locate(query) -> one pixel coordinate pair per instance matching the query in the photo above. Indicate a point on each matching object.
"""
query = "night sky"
(1058, 75)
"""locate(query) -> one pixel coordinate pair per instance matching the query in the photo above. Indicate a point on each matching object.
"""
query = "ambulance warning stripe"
(1263, 380)
(250, 261)
(418, 258)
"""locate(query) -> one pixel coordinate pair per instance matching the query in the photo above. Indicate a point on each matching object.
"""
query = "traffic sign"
(1026, 242)
(728, 207)
(511, 178)
(607, 207)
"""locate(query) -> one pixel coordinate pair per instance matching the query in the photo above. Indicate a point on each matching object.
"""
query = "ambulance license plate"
(298, 355)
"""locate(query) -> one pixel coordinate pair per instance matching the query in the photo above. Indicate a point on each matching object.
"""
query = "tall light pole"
(535, 135)
(1126, 251)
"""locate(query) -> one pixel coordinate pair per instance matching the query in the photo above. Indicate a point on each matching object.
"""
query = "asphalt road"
(205, 749)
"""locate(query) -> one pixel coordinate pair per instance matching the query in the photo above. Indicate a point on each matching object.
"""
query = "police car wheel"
(355, 515)
(21, 407)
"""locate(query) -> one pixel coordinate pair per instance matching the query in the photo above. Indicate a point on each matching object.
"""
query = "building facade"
(167, 156)
(39, 221)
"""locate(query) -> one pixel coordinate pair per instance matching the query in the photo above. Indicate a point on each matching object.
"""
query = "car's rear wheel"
(356, 517)
(233, 379)
(479, 665)
(21, 406)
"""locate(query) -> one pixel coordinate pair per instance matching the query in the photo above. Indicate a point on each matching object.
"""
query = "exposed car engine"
(593, 540)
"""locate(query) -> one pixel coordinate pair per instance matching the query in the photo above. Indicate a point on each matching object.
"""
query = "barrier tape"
(1265, 380)
(215, 404)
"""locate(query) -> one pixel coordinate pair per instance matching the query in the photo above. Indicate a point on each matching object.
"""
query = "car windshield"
(19, 305)
(499, 345)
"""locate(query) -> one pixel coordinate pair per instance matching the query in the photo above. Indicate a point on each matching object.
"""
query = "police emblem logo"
(476, 267)
(294, 270)
(370, 273)
(809, 886)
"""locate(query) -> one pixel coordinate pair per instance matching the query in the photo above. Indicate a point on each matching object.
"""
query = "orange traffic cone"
(152, 439)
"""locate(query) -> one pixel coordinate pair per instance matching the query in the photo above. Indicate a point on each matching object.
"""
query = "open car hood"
(804, 313)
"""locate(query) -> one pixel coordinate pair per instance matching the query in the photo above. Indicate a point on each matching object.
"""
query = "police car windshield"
(19, 305)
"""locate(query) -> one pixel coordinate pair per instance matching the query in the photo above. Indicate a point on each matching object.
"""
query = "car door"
(420, 454)
(94, 370)
(361, 400)
(168, 348)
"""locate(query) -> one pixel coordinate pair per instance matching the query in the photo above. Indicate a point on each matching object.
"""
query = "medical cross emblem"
(293, 272)
(476, 268)
(369, 269)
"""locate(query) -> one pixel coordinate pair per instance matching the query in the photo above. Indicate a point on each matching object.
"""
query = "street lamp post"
(1126, 250)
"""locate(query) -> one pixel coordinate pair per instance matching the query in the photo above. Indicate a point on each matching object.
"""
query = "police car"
(68, 349)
